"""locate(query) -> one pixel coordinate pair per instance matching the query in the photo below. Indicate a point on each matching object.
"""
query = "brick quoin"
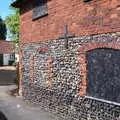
(32, 77)
(94, 17)
(50, 71)
(20, 67)
(83, 61)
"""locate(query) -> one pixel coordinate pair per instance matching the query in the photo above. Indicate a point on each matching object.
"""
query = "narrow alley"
(13, 107)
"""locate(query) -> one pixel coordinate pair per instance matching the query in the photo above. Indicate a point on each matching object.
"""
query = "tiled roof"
(6, 47)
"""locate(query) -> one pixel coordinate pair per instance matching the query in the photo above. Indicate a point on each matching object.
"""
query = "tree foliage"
(3, 30)
(12, 22)
(3, 33)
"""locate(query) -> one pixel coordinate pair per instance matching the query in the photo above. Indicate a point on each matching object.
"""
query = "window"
(40, 9)
(103, 74)
(12, 57)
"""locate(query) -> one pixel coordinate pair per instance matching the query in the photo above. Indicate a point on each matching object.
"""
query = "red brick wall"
(95, 17)
(6, 47)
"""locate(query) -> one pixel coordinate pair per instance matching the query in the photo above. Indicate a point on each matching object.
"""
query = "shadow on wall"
(2, 116)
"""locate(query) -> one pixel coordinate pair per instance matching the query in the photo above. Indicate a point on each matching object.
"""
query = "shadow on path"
(7, 75)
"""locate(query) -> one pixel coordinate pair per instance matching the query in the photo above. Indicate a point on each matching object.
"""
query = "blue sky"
(4, 8)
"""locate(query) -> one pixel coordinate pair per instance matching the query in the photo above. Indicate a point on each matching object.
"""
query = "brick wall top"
(6, 47)
(94, 17)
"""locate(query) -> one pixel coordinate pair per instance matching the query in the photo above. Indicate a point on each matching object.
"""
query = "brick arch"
(32, 66)
(83, 63)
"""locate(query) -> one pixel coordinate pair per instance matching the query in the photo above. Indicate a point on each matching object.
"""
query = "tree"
(3, 33)
(12, 22)
(3, 30)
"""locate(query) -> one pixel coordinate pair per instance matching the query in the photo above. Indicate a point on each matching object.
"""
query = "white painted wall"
(6, 58)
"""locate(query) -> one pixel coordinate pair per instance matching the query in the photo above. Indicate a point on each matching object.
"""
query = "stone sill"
(102, 100)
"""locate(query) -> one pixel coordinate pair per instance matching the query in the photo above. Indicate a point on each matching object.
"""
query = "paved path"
(15, 108)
